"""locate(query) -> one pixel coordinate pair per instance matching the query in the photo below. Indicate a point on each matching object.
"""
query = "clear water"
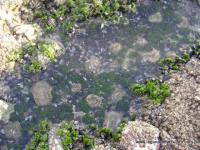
(142, 44)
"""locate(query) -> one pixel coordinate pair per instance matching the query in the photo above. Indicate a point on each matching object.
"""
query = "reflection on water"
(91, 79)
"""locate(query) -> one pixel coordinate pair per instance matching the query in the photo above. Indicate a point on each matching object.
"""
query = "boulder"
(42, 93)
(140, 135)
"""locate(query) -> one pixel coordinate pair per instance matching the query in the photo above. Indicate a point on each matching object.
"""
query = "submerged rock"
(93, 64)
(42, 93)
(112, 119)
(115, 47)
(141, 41)
(117, 94)
(76, 87)
(94, 100)
(155, 18)
(140, 135)
(5, 110)
(152, 56)
(13, 130)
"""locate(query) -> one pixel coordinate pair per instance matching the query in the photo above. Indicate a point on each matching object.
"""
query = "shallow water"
(102, 70)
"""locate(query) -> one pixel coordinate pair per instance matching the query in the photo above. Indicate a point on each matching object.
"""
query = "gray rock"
(5, 110)
(94, 101)
(152, 56)
(117, 94)
(139, 135)
(42, 93)
(13, 130)
(76, 87)
(93, 64)
(115, 47)
(155, 18)
(112, 119)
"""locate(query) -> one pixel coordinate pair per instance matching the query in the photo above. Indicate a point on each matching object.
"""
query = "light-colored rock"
(93, 64)
(112, 119)
(94, 101)
(5, 110)
(42, 93)
(13, 130)
(54, 140)
(25, 29)
(115, 47)
(76, 87)
(152, 56)
(117, 94)
(104, 147)
(155, 18)
(139, 135)
(60, 2)
(198, 2)
(141, 41)
(179, 114)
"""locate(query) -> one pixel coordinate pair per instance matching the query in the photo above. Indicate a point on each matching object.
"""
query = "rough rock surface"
(93, 64)
(13, 130)
(5, 110)
(42, 93)
(117, 94)
(112, 119)
(179, 116)
(76, 87)
(94, 100)
(140, 135)
(155, 18)
(54, 140)
(115, 47)
(152, 56)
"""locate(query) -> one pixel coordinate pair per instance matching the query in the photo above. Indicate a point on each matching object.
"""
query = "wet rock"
(179, 115)
(184, 23)
(198, 2)
(13, 130)
(112, 119)
(42, 93)
(104, 147)
(115, 47)
(93, 64)
(155, 18)
(54, 140)
(76, 87)
(94, 100)
(4, 89)
(141, 41)
(25, 29)
(152, 56)
(117, 94)
(5, 110)
(139, 135)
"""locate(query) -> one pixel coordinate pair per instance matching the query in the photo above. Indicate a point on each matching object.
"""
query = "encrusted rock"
(112, 119)
(42, 93)
(76, 87)
(152, 56)
(115, 47)
(5, 110)
(141, 41)
(93, 64)
(117, 94)
(94, 100)
(140, 135)
(13, 130)
(179, 115)
(155, 18)
(25, 29)
(54, 140)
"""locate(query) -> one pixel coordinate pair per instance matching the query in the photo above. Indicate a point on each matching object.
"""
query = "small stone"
(152, 56)
(141, 41)
(155, 18)
(94, 100)
(115, 47)
(76, 87)
(112, 119)
(117, 94)
(13, 130)
(42, 93)
(5, 110)
(93, 64)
